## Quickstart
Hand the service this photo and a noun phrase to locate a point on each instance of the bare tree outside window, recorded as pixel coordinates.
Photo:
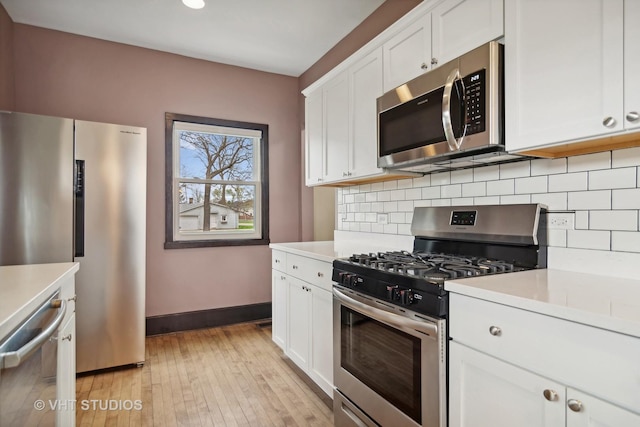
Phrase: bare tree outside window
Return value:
(218, 183)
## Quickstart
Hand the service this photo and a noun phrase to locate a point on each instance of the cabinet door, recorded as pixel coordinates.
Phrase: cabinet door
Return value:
(484, 391)
(66, 374)
(631, 64)
(462, 25)
(336, 127)
(366, 87)
(321, 360)
(563, 71)
(298, 322)
(587, 411)
(279, 308)
(314, 142)
(407, 54)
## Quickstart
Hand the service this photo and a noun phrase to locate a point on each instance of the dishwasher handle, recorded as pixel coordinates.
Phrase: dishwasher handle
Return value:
(12, 359)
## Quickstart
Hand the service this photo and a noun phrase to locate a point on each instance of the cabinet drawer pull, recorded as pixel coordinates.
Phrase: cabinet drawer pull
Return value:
(283, 278)
(277, 261)
(550, 395)
(424, 66)
(495, 331)
(574, 405)
(320, 274)
(295, 267)
(633, 116)
(609, 122)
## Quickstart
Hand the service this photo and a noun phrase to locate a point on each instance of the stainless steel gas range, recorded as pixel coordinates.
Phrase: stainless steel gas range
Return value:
(391, 309)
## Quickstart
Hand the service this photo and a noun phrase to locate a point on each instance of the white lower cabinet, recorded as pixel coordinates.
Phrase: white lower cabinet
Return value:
(66, 374)
(512, 367)
(302, 314)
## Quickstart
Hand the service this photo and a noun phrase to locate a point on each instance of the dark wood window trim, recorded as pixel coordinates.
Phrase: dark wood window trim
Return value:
(170, 243)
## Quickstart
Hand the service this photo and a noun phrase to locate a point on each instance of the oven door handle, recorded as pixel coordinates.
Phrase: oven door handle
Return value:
(425, 327)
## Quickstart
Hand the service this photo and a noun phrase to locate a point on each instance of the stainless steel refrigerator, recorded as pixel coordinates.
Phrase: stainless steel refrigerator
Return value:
(76, 190)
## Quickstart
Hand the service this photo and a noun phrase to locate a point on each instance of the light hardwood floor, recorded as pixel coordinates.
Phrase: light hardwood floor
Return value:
(225, 376)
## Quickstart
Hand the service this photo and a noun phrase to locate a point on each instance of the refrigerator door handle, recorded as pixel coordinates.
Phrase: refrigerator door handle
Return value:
(78, 189)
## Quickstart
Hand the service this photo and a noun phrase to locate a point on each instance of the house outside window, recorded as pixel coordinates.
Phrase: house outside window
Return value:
(217, 188)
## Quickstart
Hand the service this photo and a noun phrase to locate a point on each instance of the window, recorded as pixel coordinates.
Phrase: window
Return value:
(216, 184)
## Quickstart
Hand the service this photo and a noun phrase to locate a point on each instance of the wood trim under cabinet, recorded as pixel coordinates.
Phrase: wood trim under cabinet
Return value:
(176, 322)
(607, 143)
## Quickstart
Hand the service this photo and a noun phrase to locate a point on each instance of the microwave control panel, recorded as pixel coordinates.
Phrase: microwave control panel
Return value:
(474, 94)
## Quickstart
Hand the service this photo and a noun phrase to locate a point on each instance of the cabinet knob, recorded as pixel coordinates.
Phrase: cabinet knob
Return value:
(68, 337)
(344, 173)
(424, 66)
(550, 395)
(495, 331)
(434, 61)
(574, 405)
(609, 122)
(319, 179)
(320, 274)
(633, 116)
(277, 261)
(283, 278)
(295, 267)
(73, 298)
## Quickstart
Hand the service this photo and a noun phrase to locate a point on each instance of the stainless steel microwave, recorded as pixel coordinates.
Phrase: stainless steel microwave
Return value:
(452, 113)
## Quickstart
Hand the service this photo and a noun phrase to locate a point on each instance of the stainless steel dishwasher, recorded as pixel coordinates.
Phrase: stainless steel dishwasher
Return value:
(28, 362)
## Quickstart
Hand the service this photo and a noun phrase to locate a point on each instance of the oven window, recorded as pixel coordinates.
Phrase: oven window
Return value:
(383, 358)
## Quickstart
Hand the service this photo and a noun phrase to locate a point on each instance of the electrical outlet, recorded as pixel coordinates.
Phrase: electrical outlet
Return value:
(383, 218)
(561, 221)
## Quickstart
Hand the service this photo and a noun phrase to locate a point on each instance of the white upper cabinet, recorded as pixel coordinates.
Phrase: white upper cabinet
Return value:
(336, 127)
(314, 147)
(366, 86)
(459, 26)
(565, 70)
(632, 64)
(408, 53)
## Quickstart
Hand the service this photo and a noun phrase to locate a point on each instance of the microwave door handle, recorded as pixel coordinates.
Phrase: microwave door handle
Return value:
(453, 142)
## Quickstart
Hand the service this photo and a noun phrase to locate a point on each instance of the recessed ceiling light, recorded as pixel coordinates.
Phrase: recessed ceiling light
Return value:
(194, 4)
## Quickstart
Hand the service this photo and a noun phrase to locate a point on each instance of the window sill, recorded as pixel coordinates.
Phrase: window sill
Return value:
(186, 244)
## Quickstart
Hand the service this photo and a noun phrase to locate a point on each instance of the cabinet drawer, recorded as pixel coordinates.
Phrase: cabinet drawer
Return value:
(278, 260)
(310, 270)
(601, 362)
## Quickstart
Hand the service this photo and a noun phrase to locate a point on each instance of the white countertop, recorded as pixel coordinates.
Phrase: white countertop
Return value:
(601, 301)
(330, 250)
(23, 288)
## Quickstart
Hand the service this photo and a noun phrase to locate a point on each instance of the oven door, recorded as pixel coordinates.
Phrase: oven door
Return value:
(389, 364)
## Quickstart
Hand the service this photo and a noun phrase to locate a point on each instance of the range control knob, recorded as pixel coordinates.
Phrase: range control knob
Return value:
(354, 280)
(406, 296)
(344, 278)
(393, 292)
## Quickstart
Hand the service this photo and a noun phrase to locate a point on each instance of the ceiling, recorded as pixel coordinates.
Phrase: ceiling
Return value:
(279, 36)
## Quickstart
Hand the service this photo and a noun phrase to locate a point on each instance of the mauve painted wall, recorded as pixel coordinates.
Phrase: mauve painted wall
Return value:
(66, 75)
(6, 61)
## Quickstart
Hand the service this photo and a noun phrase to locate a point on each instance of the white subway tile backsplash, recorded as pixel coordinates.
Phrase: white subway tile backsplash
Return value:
(390, 206)
(405, 206)
(537, 184)
(589, 239)
(515, 200)
(489, 200)
(581, 220)
(589, 162)
(603, 190)
(390, 185)
(625, 241)
(612, 178)
(497, 188)
(398, 195)
(625, 158)
(462, 201)
(474, 189)
(413, 193)
(588, 200)
(486, 173)
(614, 220)
(464, 175)
(568, 182)
(449, 191)
(626, 199)
(515, 170)
(441, 178)
(548, 166)
(431, 193)
(554, 201)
